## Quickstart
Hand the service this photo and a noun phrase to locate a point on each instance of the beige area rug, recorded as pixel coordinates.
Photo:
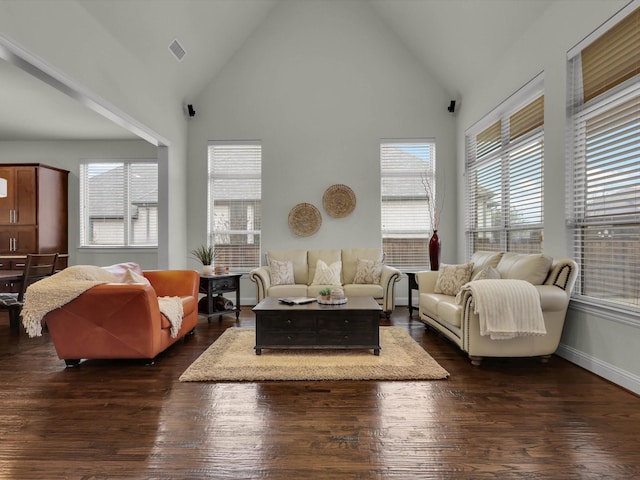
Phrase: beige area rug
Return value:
(232, 358)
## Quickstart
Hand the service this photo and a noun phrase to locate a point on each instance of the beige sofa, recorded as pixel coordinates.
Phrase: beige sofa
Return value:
(304, 264)
(553, 279)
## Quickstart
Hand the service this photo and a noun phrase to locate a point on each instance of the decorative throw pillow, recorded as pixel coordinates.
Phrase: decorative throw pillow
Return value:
(488, 273)
(131, 276)
(368, 271)
(451, 278)
(327, 274)
(119, 269)
(281, 272)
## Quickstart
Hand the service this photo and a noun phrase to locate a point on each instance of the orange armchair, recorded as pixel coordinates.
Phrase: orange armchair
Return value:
(119, 320)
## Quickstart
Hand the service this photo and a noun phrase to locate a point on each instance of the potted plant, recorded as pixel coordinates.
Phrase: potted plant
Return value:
(325, 294)
(205, 254)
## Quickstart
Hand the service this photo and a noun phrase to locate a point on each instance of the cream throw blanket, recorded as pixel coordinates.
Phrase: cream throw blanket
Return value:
(57, 290)
(506, 308)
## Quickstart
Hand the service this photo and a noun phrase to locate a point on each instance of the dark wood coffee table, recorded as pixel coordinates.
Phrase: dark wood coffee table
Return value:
(353, 325)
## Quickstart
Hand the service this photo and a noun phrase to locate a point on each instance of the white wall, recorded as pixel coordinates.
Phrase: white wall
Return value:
(88, 56)
(68, 155)
(320, 83)
(593, 340)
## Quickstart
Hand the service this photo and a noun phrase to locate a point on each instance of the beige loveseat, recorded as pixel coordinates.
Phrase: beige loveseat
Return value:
(357, 270)
(457, 320)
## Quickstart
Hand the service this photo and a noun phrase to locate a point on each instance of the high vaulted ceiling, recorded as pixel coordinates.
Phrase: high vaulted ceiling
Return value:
(455, 40)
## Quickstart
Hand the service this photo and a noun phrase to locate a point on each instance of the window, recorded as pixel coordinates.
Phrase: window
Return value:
(603, 169)
(235, 203)
(119, 204)
(505, 176)
(408, 201)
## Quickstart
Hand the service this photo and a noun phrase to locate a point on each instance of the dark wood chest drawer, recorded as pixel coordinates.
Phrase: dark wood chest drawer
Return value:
(284, 322)
(286, 339)
(346, 337)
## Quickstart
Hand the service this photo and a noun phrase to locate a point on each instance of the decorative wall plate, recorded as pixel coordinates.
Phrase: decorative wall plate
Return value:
(339, 200)
(304, 219)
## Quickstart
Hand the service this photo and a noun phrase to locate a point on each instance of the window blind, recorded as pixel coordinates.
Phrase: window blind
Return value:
(526, 119)
(613, 58)
(505, 179)
(119, 204)
(409, 201)
(603, 164)
(235, 197)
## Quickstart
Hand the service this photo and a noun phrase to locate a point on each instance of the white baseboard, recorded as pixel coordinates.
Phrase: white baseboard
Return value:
(603, 369)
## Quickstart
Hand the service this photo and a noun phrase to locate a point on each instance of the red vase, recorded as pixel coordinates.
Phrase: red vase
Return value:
(434, 251)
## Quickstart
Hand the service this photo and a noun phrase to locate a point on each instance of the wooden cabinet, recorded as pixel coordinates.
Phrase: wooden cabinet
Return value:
(17, 240)
(33, 215)
(19, 206)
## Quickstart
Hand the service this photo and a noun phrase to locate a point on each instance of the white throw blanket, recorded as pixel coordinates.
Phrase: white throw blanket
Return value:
(506, 308)
(57, 290)
(172, 308)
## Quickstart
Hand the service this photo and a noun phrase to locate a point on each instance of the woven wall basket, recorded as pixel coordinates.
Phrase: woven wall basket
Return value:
(304, 219)
(339, 200)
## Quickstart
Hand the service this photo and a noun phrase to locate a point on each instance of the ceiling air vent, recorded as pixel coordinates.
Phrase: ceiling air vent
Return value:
(177, 50)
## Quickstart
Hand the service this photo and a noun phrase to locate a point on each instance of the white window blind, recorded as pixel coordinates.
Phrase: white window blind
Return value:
(603, 181)
(408, 201)
(119, 204)
(505, 178)
(235, 192)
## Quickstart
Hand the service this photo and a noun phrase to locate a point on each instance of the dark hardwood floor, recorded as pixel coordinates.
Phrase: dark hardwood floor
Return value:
(122, 419)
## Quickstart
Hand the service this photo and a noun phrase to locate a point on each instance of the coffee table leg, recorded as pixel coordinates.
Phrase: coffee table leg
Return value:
(258, 351)
(376, 351)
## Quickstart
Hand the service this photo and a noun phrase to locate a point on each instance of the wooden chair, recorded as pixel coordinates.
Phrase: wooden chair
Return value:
(36, 267)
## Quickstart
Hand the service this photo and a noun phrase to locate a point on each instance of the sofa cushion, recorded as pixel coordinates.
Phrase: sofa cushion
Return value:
(450, 312)
(350, 258)
(367, 271)
(487, 273)
(429, 302)
(327, 256)
(482, 259)
(442, 307)
(281, 272)
(299, 260)
(287, 291)
(363, 290)
(533, 268)
(451, 278)
(327, 274)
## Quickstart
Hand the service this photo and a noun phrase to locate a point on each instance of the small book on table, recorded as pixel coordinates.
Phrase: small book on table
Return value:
(296, 300)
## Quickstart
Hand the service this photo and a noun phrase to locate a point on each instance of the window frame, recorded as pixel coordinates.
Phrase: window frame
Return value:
(504, 233)
(85, 227)
(252, 209)
(420, 184)
(585, 173)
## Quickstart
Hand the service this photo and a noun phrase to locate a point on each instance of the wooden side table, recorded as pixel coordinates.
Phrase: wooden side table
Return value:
(212, 285)
(411, 286)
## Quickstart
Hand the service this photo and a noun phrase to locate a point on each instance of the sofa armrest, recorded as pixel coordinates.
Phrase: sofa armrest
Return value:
(553, 299)
(563, 274)
(388, 276)
(174, 283)
(261, 277)
(426, 281)
(388, 279)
